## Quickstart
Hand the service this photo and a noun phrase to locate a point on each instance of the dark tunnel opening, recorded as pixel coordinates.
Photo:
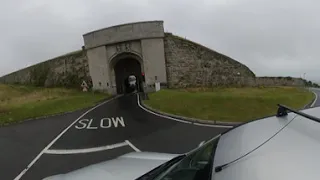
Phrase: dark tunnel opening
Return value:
(123, 69)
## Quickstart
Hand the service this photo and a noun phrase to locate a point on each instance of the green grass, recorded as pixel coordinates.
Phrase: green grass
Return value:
(18, 103)
(228, 104)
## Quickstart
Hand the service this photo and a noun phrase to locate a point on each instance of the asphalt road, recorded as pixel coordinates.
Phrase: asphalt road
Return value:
(39, 148)
(36, 149)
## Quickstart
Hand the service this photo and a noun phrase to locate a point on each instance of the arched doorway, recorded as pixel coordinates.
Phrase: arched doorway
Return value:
(123, 68)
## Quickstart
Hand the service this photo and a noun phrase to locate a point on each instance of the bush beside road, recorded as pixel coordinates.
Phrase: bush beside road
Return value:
(228, 104)
(18, 103)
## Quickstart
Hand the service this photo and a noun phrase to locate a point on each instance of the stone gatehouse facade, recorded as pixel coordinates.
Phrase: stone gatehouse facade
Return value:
(116, 52)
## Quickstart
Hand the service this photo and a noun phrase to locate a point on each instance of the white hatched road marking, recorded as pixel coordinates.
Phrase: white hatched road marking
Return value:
(132, 146)
(55, 139)
(87, 150)
(47, 151)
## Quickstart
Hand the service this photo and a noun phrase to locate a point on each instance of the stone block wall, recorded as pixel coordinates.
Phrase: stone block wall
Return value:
(68, 71)
(278, 81)
(192, 65)
(188, 64)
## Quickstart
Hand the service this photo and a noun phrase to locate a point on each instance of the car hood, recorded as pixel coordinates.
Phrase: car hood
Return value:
(290, 155)
(127, 167)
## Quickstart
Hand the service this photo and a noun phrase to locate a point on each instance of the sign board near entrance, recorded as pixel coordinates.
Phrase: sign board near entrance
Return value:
(84, 86)
(157, 85)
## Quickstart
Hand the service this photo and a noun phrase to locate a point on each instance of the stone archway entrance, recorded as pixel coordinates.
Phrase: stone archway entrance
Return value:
(144, 41)
(123, 68)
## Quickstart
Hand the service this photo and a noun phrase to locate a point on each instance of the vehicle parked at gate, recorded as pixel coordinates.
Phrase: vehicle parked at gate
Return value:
(282, 147)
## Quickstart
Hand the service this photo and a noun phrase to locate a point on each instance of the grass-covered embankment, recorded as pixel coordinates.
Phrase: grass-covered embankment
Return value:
(228, 104)
(18, 103)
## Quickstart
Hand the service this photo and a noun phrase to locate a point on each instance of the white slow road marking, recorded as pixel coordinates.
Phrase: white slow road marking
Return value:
(105, 123)
(315, 100)
(55, 139)
(87, 150)
(179, 120)
(132, 146)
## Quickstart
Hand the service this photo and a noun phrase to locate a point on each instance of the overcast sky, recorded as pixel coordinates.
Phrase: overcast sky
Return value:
(272, 37)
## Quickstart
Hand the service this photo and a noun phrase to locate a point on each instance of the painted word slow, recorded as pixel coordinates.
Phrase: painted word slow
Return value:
(104, 123)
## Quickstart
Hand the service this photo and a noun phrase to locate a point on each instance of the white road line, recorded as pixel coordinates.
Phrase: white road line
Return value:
(179, 120)
(315, 100)
(213, 125)
(160, 115)
(31, 164)
(87, 150)
(132, 146)
(55, 139)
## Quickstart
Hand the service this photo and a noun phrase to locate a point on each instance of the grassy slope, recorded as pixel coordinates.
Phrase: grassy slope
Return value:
(231, 104)
(20, 102)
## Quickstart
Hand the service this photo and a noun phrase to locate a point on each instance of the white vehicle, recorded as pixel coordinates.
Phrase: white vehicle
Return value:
(132, 80)
(284, 147)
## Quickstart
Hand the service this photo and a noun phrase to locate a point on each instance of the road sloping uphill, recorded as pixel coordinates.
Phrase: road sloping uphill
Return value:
(107, 131)
(60, 144)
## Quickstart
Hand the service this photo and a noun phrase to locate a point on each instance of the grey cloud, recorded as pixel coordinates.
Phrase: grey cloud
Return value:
(272, 37)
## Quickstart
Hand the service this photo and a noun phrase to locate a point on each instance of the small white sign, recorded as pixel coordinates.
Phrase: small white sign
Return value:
(105, 123)
(84, 86)
(157, 85)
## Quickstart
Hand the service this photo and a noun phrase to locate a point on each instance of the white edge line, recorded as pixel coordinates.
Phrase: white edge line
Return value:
(87, 150)
(160, 115)
(315, 100)
(132, 146)
(213, 125)
(179, 120)
(55, 139)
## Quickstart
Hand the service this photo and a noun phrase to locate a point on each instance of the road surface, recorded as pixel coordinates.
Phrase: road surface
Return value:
(40, 148)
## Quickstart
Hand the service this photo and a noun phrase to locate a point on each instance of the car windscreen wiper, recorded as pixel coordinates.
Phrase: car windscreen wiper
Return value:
(282, 111)
(221, 167)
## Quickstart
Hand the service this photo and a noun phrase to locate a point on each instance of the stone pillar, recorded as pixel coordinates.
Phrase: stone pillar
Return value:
(154, 62)
(99, 69)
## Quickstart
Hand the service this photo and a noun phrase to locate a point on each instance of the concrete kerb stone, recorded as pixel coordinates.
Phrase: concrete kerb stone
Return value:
(192, 120)
(310, 103)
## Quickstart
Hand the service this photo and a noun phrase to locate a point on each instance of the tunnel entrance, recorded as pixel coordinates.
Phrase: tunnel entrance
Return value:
(123, 69)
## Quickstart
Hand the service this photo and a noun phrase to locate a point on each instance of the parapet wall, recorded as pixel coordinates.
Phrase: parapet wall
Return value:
(278, 81)
(68, 70)
(124, 32)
